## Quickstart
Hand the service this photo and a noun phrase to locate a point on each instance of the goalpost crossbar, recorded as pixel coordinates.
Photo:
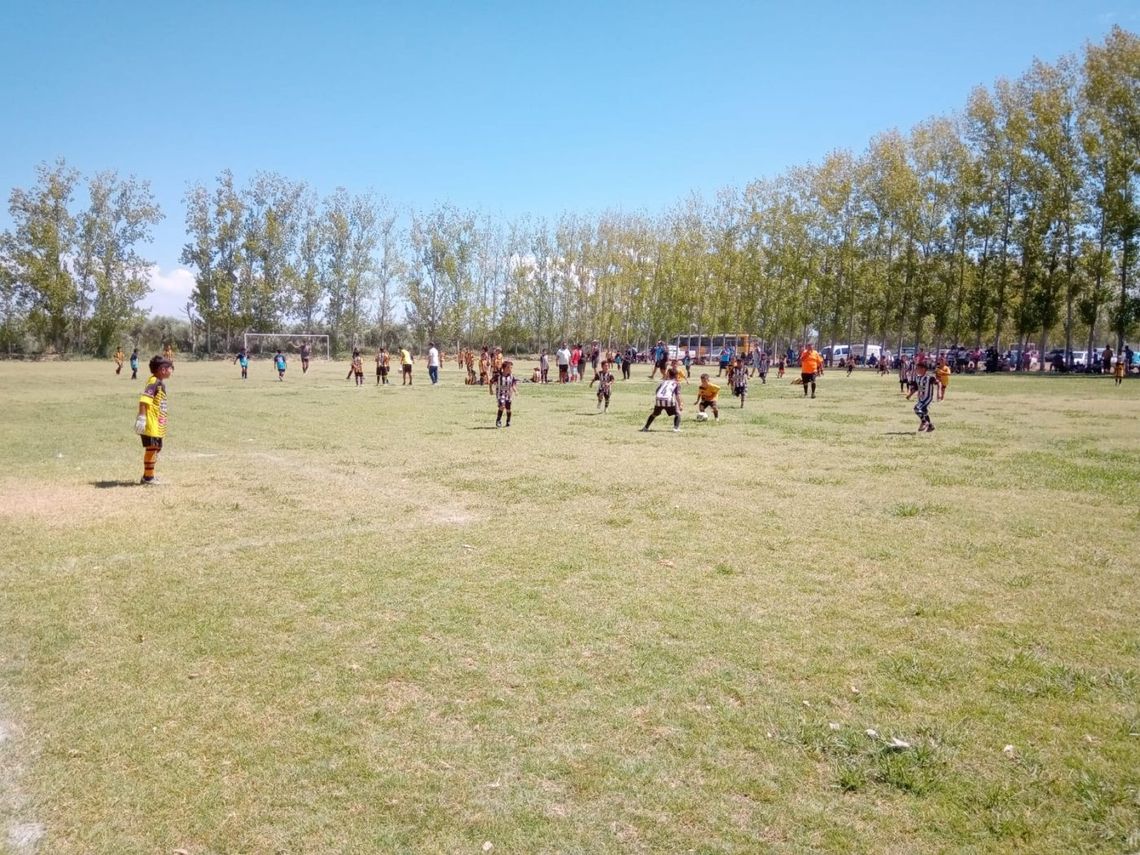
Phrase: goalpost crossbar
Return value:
(290, 338)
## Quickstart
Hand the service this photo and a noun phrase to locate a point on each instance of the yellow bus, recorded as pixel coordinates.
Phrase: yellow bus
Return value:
(706, 347)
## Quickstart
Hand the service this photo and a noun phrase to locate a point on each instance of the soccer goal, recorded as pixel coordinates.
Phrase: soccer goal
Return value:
(257, 343)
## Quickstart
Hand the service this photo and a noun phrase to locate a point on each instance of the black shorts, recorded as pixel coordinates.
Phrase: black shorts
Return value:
(602, 394)
(151, 441)
(663, 364)
(807, 376)
(704, 405)
(671, 409)
(407, 369)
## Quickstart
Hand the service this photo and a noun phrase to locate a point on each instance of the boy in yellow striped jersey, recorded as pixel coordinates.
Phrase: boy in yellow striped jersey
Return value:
(150, 423)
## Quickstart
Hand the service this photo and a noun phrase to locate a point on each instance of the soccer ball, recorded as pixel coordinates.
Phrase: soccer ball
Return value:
(702, 417)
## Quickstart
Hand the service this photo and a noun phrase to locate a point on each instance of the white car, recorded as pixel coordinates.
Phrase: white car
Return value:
(1080, 359)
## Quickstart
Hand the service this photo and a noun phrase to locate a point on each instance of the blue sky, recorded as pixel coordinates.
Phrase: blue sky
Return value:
(501, 107)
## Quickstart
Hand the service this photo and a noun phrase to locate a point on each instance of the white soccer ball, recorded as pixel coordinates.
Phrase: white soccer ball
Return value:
(702, 417)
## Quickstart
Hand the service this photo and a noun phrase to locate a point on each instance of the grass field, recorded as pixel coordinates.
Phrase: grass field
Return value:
(362, 620)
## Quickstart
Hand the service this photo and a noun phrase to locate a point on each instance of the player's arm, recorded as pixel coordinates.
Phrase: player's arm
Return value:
(140, 417)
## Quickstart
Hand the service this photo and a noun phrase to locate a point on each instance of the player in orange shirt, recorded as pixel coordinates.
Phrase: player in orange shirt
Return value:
(810, 364)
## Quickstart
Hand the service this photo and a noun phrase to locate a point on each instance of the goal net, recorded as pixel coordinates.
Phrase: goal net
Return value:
(262, 343)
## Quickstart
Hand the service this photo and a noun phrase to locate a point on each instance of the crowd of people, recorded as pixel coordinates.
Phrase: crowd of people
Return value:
(923, 376)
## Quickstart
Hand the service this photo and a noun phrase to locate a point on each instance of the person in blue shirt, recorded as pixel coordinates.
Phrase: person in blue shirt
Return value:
(242, 359)
(279, 363)
(660, 359)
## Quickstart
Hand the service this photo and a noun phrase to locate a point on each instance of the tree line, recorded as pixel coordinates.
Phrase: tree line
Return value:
(1013, 220)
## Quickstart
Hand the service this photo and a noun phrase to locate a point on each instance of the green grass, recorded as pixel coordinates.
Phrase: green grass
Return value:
(361, 620)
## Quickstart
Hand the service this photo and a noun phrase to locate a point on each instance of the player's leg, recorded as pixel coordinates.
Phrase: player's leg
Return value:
(151, 447)
(657, 409)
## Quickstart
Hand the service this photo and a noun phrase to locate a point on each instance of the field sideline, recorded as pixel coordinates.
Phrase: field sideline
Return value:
(364, 620)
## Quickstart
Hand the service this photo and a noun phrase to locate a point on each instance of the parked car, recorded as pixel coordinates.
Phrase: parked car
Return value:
(1076, 360)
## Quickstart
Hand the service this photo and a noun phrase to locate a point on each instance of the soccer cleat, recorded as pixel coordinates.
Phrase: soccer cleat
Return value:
(644, 430)
(929, 428)
(676, 430)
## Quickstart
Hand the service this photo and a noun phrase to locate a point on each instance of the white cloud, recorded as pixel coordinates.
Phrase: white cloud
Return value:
(169, 291)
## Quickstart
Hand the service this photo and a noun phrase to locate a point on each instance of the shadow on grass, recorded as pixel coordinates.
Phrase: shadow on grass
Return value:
(899, 433)
(106, 485)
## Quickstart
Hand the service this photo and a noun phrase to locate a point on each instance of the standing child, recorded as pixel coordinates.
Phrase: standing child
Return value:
(605, 380)
(667, 399)
(119, 358)
(279, 364)
(406, 366)
(356, 368)
(135, 364)
(544, 366)
(706, 396)
(305, 353)
(150, 423)
(762, 367)
(781, 366)
(504, 385)
(383, 363)
(904, 374)
(484, 366)
(242, 359)
(738, 377)
(924, 386)
(1118, 369)
(942, 373)
(682, 375)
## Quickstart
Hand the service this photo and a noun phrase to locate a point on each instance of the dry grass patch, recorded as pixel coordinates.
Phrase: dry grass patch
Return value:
(365, 620)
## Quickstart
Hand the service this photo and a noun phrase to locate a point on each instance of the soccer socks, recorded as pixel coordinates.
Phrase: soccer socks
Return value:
(150, 458)
(677, 422)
